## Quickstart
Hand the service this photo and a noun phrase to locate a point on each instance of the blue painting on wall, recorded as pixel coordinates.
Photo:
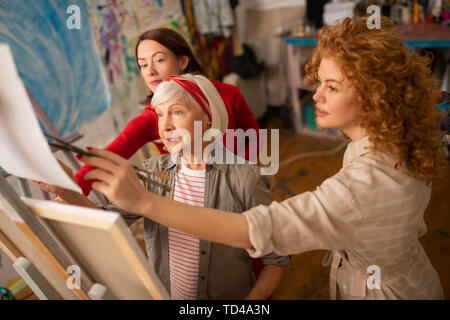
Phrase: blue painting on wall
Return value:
(61, 67)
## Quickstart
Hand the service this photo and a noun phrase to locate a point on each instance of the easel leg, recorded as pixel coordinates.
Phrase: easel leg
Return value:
(100, 292)
(37, 283)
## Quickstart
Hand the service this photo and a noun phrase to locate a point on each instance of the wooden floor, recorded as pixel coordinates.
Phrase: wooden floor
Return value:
(305, 277)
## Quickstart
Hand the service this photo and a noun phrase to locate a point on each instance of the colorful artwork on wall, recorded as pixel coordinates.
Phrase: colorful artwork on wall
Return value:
(60, 66)
(117, 26)
(85, 79)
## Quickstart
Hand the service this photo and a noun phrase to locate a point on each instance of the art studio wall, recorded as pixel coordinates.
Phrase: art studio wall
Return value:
(85, 78)
(116, 26)
(59, 66)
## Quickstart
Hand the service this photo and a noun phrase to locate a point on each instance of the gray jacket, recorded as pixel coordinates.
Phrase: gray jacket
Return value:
(224, 272)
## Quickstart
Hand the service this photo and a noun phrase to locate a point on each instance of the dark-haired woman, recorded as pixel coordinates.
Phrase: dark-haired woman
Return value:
(160, 53)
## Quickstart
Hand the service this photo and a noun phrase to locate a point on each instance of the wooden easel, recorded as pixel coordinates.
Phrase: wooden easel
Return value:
(39, 235)
(25, 268)
(36, 282)
(99, 239)
(41, 115)
(36, 232)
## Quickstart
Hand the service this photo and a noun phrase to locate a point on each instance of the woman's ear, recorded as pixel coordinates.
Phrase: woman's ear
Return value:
(183, 62)
(205, 119)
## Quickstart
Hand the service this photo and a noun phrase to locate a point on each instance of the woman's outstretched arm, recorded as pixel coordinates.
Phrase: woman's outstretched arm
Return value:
(118, 181)
(208, 224)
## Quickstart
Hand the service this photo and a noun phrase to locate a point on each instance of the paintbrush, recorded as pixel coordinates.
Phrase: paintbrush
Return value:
(142, 174)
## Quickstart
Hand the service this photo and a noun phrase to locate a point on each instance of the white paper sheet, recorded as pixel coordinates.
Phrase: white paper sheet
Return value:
(24, 151)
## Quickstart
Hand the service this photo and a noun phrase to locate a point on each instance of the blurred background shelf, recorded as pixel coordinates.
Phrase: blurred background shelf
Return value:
(299, 50)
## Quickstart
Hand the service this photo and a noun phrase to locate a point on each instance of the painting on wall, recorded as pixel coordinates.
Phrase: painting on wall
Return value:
(61, 67)
(116, 26)
(85, 79)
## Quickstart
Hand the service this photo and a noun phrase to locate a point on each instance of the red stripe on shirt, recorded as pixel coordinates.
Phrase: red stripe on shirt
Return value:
(184, 255)
(187, 186)
(188, 194)
(187, 175)
(175, 235)
(178, 187)
(190, 249)
(179, 261)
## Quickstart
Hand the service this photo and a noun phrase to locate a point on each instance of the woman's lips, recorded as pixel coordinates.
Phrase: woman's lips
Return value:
(173, 140)
(155, 82)
(320, 113)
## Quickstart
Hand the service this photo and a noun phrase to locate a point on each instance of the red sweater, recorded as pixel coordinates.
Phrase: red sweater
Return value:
(144, 128)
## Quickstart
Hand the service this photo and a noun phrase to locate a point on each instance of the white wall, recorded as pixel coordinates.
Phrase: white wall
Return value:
(271, 4)
(261, 5)
(259, 23)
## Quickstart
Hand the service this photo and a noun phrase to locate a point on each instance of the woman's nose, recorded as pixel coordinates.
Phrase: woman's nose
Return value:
(318, 96)
(167, 123)
(151, 71)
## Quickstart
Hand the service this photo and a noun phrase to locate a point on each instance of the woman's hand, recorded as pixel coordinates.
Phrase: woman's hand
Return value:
(116, 179)
(62, 193)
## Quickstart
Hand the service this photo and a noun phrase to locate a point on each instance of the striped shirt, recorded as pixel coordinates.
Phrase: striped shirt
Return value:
(183, 248)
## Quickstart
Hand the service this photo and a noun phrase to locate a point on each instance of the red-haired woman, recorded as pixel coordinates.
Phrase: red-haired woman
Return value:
(370, 214)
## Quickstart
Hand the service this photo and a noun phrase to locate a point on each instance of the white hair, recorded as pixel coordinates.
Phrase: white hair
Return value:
(170, 90)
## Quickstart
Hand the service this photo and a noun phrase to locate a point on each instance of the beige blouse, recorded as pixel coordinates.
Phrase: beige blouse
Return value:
(370, 216)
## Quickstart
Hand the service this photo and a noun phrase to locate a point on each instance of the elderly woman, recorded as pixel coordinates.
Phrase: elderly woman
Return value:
(191, 268)
(162, 52)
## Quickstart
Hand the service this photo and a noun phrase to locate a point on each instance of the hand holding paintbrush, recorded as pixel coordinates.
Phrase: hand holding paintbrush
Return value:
(114, 178)
(142, 174)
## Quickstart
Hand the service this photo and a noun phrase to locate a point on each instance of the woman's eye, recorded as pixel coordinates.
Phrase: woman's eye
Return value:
(159, 115)
(178, 112)
(159, 60)
(332, 89)
(318, 83)
(142, 66)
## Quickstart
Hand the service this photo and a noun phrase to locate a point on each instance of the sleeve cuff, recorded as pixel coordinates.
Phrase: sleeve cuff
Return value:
(260, 231)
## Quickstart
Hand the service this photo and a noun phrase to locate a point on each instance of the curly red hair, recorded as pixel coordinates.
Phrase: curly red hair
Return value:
(394, 85)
